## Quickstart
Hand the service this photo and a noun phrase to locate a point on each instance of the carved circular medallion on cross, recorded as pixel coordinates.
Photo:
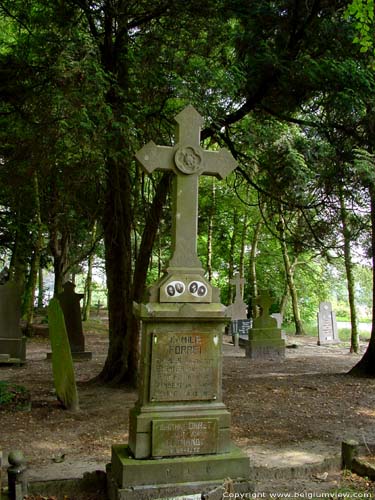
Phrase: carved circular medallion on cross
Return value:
(188, 160)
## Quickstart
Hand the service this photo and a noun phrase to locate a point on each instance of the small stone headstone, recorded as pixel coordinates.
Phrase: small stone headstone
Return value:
(70, 305)
(265, 340)
(62, 362)
(238, 311)
(12, 342)
(279, 318)
(327, 325)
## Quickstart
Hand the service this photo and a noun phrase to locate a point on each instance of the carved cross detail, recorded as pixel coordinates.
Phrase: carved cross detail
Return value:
(188, 160)
(238, 282)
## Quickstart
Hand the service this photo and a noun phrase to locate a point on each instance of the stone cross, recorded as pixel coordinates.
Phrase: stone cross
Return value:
(187, 160)
(264, 301)
(238, 282)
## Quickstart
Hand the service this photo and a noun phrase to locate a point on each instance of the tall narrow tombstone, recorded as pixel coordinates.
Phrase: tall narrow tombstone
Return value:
(12, 342)
(179, 432)
(62, 362)
(240, 324)
(327, 325)
(265, 338)
(70, 305)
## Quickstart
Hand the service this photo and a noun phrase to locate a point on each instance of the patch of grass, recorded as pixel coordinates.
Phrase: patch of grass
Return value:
(96, 325)
(13, 396)
(345, 333)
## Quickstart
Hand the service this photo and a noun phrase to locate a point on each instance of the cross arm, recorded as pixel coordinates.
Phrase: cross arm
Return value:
(152, 157)
(219, 163)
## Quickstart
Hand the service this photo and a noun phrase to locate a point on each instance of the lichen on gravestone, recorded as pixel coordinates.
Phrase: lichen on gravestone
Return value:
(62, 362)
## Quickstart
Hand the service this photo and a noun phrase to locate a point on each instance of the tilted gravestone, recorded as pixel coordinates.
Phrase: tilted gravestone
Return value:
(327, 325)
(265, 339)
(70, 305)
(62, 362)
(179, 432)
(238, 311)
(12, 342)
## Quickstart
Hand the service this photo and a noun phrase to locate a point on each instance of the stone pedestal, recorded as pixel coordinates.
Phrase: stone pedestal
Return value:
(179, 428)
(265, 344)
(265, 338)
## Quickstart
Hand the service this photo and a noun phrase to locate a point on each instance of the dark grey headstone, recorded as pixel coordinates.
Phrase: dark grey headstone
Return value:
(70, 305)
(12, 343)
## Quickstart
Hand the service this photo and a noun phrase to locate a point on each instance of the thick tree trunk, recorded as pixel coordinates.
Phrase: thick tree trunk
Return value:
(290, 280)
(366, 366)
(354, 345)
(284, 299)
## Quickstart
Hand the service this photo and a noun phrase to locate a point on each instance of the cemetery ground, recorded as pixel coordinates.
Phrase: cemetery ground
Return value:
(290, 417)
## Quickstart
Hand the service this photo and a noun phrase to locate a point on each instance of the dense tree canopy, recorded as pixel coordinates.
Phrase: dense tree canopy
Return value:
(85, 84)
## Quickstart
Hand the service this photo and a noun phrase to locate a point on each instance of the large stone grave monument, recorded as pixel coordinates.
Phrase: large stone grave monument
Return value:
(240, 324)
(179, 432)
(265, 338)
(327, 325)
(70, 305)
(12, 342)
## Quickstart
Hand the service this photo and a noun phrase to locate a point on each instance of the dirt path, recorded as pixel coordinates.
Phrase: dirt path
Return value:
(287, 416)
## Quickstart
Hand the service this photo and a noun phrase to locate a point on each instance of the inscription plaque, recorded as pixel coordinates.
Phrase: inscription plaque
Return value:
(184, 437)
(184, 366)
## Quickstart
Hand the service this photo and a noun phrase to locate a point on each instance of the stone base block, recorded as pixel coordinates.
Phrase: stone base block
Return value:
(76, 356)
(131, 479)
(265, 344)
(13, 350)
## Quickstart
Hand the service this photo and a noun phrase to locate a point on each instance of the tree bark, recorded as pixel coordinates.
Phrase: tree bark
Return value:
(40, 288)
(253, 285)
(354, 339)
(210, 229)
(290, 280)
(232, 246)
(88, 283)
(366, 366)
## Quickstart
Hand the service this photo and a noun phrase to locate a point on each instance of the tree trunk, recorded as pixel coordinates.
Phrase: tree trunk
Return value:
(59, 244)
(210, 230)
(242, 250)
(366, 366)
(88, 283)
(354, 345)
(29, 295)
(40, 288)
(232, 246)
(284, 299)
(253, 286)
(290, 280)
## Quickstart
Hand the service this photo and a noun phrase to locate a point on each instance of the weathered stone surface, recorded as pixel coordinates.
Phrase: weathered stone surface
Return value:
(12, 342)
(175, 354)
(237, 310)
(62, 363)
(265, 339)
(327, 325)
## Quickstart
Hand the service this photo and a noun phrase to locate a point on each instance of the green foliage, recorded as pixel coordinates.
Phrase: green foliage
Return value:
(13, 395)
(362, 11)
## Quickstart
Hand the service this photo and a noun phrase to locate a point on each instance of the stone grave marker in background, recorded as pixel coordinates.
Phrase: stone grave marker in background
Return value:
(70, 305)
(327, 325)
(62, 362)
(240, 324)
(279, 319)
(265, 341)
(12, 342)
(179, 430)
